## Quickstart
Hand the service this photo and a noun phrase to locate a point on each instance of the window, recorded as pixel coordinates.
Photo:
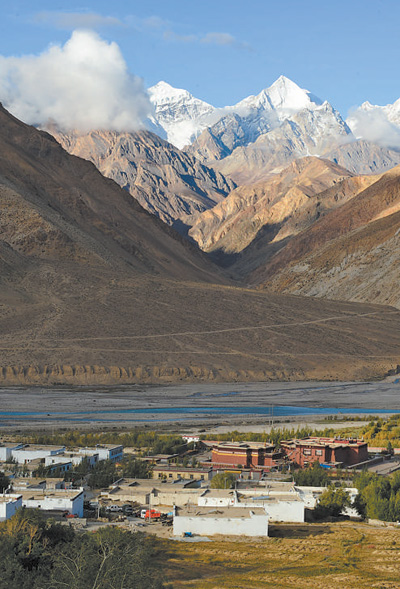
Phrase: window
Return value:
(307, 452)
(318, 452)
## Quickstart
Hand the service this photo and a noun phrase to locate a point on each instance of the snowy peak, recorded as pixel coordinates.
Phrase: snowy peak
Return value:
(282, 95)
(163, 93)
(286, 94)
(182, 116)
(379, 124)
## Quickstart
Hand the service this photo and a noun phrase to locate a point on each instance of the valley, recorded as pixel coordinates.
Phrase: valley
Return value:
(98, 291)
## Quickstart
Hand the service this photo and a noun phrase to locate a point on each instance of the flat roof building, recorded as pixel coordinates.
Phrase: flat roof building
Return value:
(245, 454)
(331, 451)
(180, 472)
(225, 521)
(55, 500)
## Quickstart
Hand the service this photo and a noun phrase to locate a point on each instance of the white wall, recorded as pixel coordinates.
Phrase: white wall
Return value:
(6, 453)
(255, 525)
(215, 501)
(179, 498)
(57, 502)
(280, 511)
(25, 455)
(10, 506)
(74, 459)
(116, 453)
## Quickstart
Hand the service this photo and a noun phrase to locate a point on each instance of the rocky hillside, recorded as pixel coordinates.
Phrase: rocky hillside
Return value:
(364, 157)
(352, 253)
(280, 207)
(170, 184)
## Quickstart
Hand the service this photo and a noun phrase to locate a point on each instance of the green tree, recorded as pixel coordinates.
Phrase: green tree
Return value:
(314, 476)
(223, 480)
(332, 502)
(103, 474)
(138, 469)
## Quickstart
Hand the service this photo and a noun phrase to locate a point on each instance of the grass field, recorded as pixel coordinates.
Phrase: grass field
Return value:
(309, 556)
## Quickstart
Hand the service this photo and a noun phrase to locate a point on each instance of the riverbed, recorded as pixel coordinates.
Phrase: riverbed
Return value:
(244, 405)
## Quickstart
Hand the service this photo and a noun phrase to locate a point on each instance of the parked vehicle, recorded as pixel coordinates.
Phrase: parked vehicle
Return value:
(127, 509)
(113, 508)
(150, 514)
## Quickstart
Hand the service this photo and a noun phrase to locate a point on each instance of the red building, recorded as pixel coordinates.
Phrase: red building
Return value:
(245, 454)
(335, 451)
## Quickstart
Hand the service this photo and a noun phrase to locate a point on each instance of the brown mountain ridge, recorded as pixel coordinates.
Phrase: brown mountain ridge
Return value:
(352, 252)
(93, 289)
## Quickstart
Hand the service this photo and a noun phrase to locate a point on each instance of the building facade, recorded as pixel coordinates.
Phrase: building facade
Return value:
(245, 455)
(329, 451)
(8, 505)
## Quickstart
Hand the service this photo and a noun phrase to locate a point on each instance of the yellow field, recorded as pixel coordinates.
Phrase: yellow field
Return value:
(309, 556)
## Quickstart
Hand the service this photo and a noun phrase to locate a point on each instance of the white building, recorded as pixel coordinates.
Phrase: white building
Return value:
(29, 452)
(105, 452)
(287, 507)
(74, 458)
(57, 500)
(7, 449)
(9, 505)
(225, 521)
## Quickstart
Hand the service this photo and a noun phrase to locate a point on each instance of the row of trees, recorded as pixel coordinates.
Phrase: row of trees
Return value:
(379, 497)
(101, 474)
(275, 436)
(35, 554)
(381, 432)
(136, 438)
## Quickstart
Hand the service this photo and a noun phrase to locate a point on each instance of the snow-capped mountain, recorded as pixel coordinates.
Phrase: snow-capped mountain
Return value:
(265, 132)
(391, 111)
(284, 96)
(182, 116)
(380, 124)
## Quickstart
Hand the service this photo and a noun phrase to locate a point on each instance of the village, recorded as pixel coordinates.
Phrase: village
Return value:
(205, 488)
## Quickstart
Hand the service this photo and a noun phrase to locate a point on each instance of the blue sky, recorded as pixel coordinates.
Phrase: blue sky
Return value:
(222, 51)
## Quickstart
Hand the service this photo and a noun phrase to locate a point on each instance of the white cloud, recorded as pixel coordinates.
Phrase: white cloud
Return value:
(83, 85)
(171, 36)
(219, 39)
(155, 22)
(373, 125)
(77, 20)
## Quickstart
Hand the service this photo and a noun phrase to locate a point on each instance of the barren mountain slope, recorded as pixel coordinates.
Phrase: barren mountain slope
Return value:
(364, 157)
(167, 182)
(353, 253)
(282, 206)
(96, 290)
(57, 206)
(308, 132)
